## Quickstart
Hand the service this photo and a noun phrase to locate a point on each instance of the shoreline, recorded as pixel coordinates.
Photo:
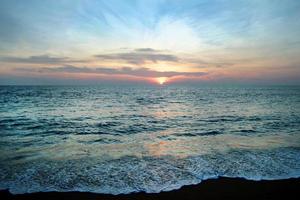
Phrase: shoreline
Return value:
(234, 188)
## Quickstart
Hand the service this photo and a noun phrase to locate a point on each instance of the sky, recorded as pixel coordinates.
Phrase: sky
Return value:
(94, 41)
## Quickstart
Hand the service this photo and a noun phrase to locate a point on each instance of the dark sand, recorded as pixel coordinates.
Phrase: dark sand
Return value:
(222, 188)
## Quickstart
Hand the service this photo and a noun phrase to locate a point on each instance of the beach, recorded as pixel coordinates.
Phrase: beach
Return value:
(158, 99)
(222, 188)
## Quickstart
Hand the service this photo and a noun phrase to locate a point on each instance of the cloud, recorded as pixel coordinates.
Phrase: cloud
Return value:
(146, 50)
(141, 72)
(39, 59)
(140, 56)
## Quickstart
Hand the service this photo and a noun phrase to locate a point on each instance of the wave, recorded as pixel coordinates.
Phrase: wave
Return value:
(204, 133)
(232, 118)
(149, 174)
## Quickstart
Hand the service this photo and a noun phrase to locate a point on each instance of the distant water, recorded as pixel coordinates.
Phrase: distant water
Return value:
(121, 139)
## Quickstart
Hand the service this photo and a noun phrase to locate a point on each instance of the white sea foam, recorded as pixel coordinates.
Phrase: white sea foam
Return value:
(149, 174)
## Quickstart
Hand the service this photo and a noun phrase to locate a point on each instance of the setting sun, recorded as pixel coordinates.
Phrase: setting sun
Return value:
(161, 80)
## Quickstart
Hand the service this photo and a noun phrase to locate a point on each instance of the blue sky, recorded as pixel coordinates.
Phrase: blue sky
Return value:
(224, 39)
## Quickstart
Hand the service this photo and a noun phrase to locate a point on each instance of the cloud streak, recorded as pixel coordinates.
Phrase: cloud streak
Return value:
(39, 59)
(141, 72)
(146, 50)
(140, 56)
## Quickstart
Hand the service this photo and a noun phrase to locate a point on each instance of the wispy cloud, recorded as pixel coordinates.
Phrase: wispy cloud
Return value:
(141, 72)
(39, 59)
(146, 50)
(140, 56)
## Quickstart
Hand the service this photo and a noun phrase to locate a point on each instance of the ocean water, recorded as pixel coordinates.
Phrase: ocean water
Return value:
(122, 139)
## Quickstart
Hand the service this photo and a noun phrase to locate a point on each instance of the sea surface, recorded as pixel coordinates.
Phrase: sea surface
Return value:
(122, 139)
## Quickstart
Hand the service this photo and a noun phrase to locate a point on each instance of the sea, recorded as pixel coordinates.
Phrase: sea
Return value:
(118, 139)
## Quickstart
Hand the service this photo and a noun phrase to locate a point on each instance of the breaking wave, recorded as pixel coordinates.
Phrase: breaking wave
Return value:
(149, 174)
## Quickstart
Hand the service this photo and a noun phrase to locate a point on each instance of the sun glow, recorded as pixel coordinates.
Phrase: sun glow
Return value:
(161, 80)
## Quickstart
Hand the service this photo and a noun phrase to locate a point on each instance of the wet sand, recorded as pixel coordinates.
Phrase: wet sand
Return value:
(233, 188)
